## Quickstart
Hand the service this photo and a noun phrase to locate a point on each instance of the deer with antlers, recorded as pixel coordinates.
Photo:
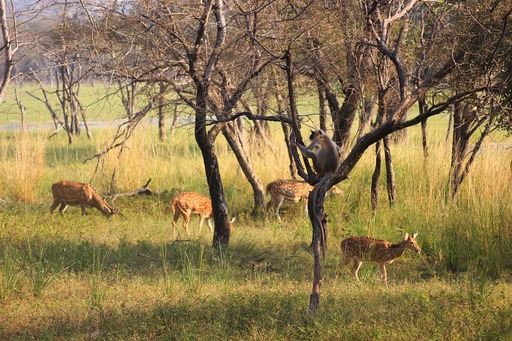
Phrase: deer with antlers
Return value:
(68, 193)
(361, 249)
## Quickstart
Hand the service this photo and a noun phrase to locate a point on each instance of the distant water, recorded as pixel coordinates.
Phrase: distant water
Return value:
(91, 124)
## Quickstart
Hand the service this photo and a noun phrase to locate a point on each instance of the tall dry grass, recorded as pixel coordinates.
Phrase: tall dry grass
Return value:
(127, 278)
(22, 165)
(170, 164)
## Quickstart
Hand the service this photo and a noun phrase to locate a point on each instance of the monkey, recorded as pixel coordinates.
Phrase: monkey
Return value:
(323, 151)
(326, 156)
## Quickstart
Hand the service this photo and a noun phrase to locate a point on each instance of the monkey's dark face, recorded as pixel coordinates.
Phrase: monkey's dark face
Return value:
(315, 134)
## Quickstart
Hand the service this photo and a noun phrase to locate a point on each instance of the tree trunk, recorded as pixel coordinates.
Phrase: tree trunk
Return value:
(466, 122)
(365, 116)
(375, 178)
(459, 148)
(316, 210)
(390, 173)
(344, 118)
(161, 112)
(322, 104)
(206, 143)
(7, 46)
(229, 131)
(424, 139)
(281, 107)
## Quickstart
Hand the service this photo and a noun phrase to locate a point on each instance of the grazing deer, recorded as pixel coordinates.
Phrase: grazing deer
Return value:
(187, 203)
(79, 194)
(361, 249)
(290, 192)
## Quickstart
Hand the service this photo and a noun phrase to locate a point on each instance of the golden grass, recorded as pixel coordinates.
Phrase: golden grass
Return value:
(127, 278)
(22, 165)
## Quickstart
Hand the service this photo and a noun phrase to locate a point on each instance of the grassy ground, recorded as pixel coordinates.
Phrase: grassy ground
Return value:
(79, 278)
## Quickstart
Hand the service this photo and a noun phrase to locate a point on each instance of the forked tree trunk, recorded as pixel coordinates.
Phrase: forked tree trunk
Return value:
(230, 133)
(319, 243)
(206, 143)
(465, 123)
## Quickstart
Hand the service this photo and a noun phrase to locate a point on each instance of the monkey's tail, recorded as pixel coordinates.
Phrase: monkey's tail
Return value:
(320, 220)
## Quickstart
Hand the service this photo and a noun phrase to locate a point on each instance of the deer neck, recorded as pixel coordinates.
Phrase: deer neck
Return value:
(104, 208)
(392, 252)
(399, 248)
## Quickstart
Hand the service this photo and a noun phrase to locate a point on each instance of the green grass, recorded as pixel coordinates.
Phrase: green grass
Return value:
(74, 277)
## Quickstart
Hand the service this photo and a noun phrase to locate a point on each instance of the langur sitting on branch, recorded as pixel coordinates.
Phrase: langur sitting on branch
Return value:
(326, 154)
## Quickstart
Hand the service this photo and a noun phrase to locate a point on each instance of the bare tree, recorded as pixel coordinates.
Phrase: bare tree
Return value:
(9, 46)
(450, 65)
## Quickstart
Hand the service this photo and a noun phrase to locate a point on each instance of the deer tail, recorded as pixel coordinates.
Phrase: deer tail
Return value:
(173, 208)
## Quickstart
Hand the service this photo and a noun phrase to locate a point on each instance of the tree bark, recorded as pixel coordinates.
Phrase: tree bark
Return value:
(375, 178)
(7, 45)
(161, 112)
(424, 138)
(390, 173)
(344, 118)
(230, 133)
(281, 108)
(206, 143)
(365, 116)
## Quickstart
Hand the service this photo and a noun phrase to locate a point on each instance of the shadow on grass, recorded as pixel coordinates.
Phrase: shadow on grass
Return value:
(364, 314)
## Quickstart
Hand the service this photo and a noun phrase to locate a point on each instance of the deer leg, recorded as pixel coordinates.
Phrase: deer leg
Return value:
(209, 222)
(84, 209)
(63, 207)
(305, 208)
(54, 206)
(201, 220)
(356, 267)
(186, 219)
(383, 273)
(342, 264)
(279, 203)
(174, 220)
(269, 204)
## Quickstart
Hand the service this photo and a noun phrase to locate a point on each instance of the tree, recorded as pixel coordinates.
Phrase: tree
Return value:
(9, 46)
(447, 67)
(64, 51)
(194, 57)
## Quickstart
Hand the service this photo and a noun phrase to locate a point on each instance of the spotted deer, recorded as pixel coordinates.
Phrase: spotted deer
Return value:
(68, 193)
(290, 192)
(188, 203)
(361, 249)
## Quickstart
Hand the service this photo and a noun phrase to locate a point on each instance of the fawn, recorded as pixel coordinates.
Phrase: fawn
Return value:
(361, 249)
(79, 194)
(290, 192)
(187, 203)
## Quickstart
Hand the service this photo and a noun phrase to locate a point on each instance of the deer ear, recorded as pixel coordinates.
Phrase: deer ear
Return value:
(233, 220)
(414, 235)
(406, 236)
